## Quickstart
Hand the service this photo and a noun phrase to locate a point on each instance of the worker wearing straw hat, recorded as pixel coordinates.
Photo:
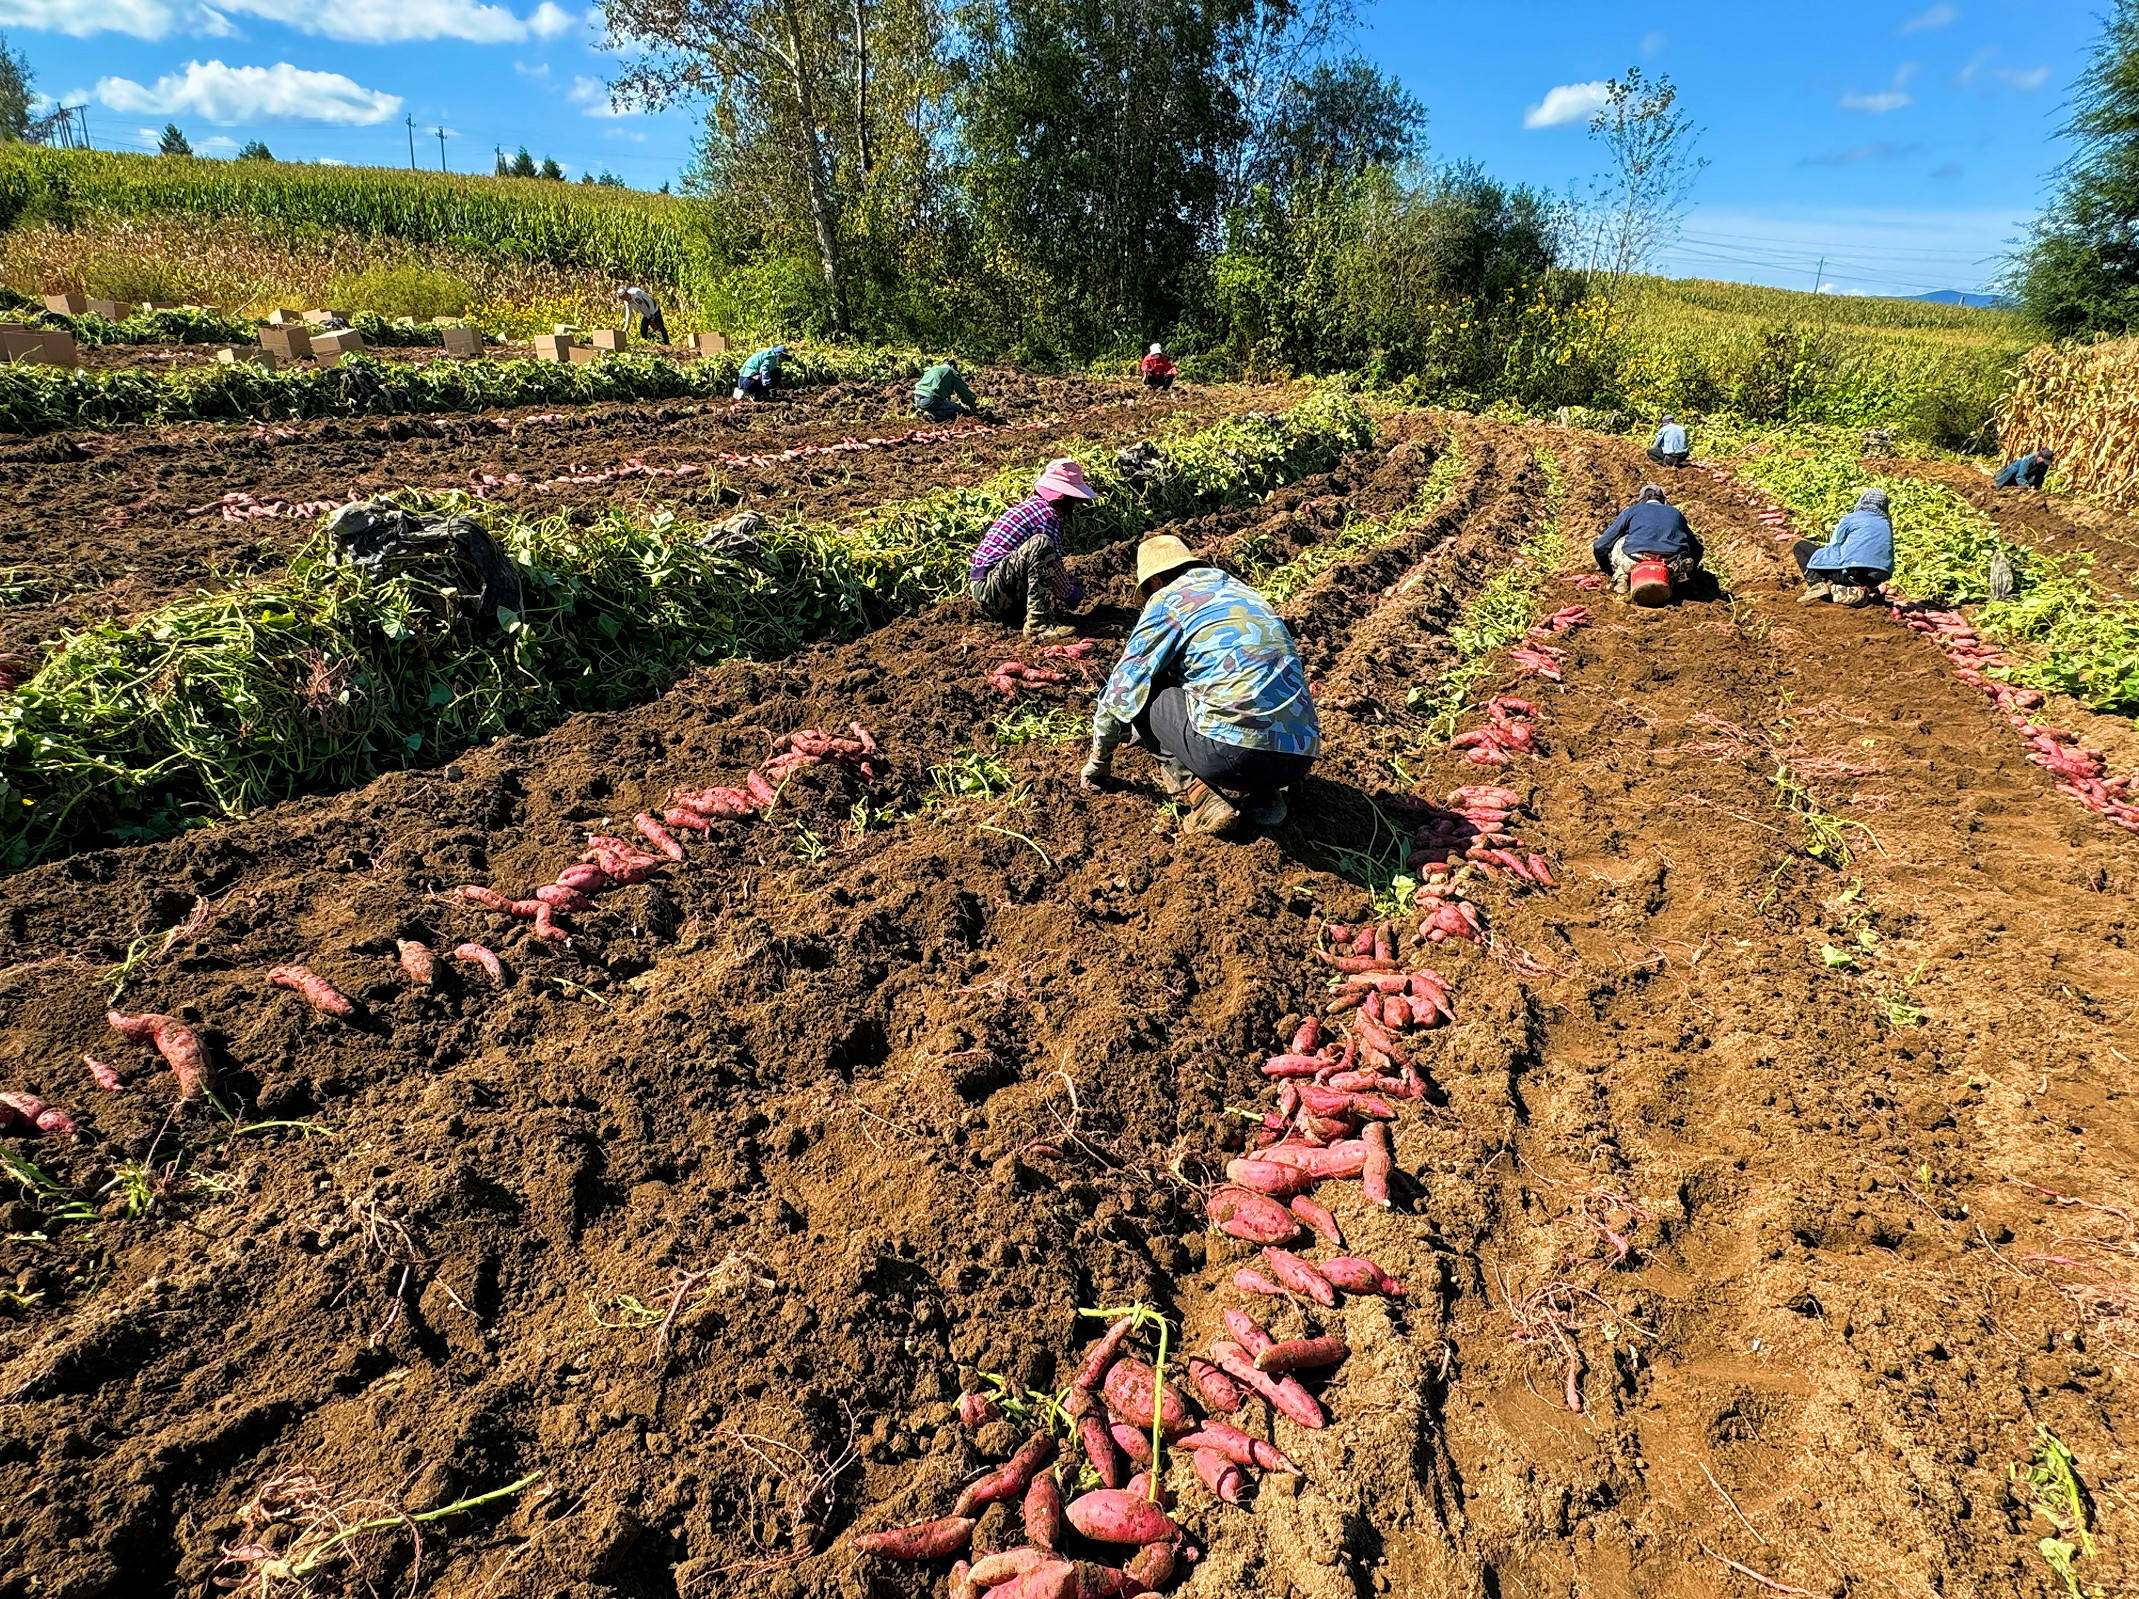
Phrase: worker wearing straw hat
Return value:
(1211, 685)
(1017, 571)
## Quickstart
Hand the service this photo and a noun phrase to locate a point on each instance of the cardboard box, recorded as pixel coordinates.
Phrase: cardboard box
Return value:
(291, 343)
(586, 352)
(607, 338)
(163, 305)
(710, 343)
(553, 346)
(67, 304)
(342, 341)
(241, 354)
(109, 310)
(321, 318)
(282, 318)
(463, 342)
(38, 347)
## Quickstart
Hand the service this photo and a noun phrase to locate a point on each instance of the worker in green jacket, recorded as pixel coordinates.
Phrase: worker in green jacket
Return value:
(941, 395)
(760, 373)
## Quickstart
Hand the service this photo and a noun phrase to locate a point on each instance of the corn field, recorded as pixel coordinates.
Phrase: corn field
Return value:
(2083, 402)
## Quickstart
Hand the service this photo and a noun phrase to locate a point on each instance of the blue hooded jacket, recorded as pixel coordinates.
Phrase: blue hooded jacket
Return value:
(1863, 539)
(1650, 527)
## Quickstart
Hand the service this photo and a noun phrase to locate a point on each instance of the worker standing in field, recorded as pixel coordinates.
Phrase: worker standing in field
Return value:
(1669, 447)
(639, 302)
(760, 373)
(1649, 550)
(2027, 472)
(1158, 368)
(1016, 572)
(1211, 684)
(1857, 557)
(941, 393)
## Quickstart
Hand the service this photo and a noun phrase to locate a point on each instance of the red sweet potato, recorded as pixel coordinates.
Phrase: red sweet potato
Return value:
(977, 1409)
(416, 961)
(1250, 1281)
(655, 834)
(1133, 1442)
(1053, 1579)
(1285, 1395)
(1344, 1159)
(584, 876)
(1302, 1354)
(1357, 1276)
(1254, 1217)
(1220, 1475)
(28, 1114)
(962, 1584)
(491, 900)
(1306, 1037)
(1294, 1066)
(760, 790)
(1102, 1355)
(483, 958)
(1276, 1178)
(175, 1042)
(1318, 1219)
(1151, 1567)
(990, 1570)
(1043, 1512)
(560, 898)
(1010, 1479)
(1100, 1451)
(1380, 1161)
(677, 816)
(546, 926)
(106, 1078)
(1220, 1392)
(1247, 1331)
(320, 994)
(1239, 1448)
(1337, 1102)
(1112, 1515)
(927, 1540)
(1128, 1392)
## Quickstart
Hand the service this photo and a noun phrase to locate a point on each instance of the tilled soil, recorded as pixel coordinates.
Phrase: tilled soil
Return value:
(112, 524)
(708, 1219)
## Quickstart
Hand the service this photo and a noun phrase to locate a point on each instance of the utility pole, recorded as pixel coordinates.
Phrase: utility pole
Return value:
(411, 121)
(1819, 275)
(441, 132)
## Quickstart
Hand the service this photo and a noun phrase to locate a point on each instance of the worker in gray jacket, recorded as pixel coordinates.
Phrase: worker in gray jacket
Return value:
(1669, 448)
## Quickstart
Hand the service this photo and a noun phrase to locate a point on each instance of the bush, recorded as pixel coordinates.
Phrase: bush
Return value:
(420, 293)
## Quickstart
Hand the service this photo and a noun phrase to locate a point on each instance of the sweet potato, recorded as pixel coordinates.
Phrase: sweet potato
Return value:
(759, 789)
(1112, 1515)
(1380, 1162)
(175, 1042)
(584, 876)
(1043, 1512)
(1053, 1579)
(1102, 1355)
(1285, 1395)
(1357, 1276)
(927, 1540)
(483, 958)
(416, 961)
(677, 816)
(1294, 1066)
(1128, 1393)
(1239, 1448)
(655, 834)
(977, 1409)
(1299, 1276)
(1337, 1102)
(1250, 1281)
(106, 1078)
(560, 898)
(1343, 1159)
(962, 1584)
(1220, 1392)
(491, 900)
(1133, 1442)
(1302, 1354)
(1274, 1178)
(320, 994)
(546, 926)
(1010, 1479)
(990, 1570)
(1318, 1220)
(1100, 1451)
(1247, 1331)
(1306, 1036)
(29, 1114)
(1151, 1567)
(1254, 1217)
(1220, 1475)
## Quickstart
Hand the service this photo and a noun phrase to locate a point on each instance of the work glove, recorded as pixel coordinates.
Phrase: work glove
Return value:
(1098, 769)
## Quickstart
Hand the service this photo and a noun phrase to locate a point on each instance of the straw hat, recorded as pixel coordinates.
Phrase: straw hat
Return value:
(1161, 557)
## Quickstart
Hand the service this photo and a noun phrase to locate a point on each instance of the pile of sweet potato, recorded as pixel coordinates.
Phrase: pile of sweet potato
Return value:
(1471, 828)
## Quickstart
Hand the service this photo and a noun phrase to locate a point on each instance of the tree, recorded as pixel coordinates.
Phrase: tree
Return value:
(255, 151)
(1641, 200)
(1335, 124)
(172, 141)
(504, 166)
(551, 170)
(523, 164)
(2079, 271)
(15, 80)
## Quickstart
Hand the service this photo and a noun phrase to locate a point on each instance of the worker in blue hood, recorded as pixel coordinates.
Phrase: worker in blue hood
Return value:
(1857, 557)
(2027, 472)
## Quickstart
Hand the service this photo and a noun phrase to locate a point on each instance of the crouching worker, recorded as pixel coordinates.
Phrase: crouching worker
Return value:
(1211, 685)
(1857, 557)
(941, 394)
(2027, 472)
(1669, 447)
(760, 373)
(1158, 368)
(1649, 550)
(1017, 573)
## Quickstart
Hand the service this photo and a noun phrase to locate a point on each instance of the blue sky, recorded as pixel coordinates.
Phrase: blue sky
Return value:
(1905, 143)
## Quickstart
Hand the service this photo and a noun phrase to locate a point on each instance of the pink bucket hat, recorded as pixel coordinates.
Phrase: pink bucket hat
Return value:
(1064, 480)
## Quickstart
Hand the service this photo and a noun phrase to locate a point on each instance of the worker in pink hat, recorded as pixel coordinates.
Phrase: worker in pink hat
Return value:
(1017, 572)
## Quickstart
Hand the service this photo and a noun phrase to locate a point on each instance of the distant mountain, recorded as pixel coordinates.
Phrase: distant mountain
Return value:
(1976, 302)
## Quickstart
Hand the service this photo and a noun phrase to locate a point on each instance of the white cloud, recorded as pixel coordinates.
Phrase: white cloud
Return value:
(329, 161)
(1939, 16)
(231, 95)
(592, 96)
(352, 21)
(541, 69)
(1570, 102)
(216, 144)
(1892, 98)
(2026, 79)
(1652, 42)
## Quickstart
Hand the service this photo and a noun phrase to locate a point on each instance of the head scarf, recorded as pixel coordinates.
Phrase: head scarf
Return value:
(1873, 500)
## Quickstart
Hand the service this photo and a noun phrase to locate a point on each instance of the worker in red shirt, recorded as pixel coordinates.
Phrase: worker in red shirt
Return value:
(1158, 368)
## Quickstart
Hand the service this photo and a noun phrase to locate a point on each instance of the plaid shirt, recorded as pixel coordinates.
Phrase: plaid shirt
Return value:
(1013, 528)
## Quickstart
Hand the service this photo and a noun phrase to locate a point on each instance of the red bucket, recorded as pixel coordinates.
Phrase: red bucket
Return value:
(1649, 583)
